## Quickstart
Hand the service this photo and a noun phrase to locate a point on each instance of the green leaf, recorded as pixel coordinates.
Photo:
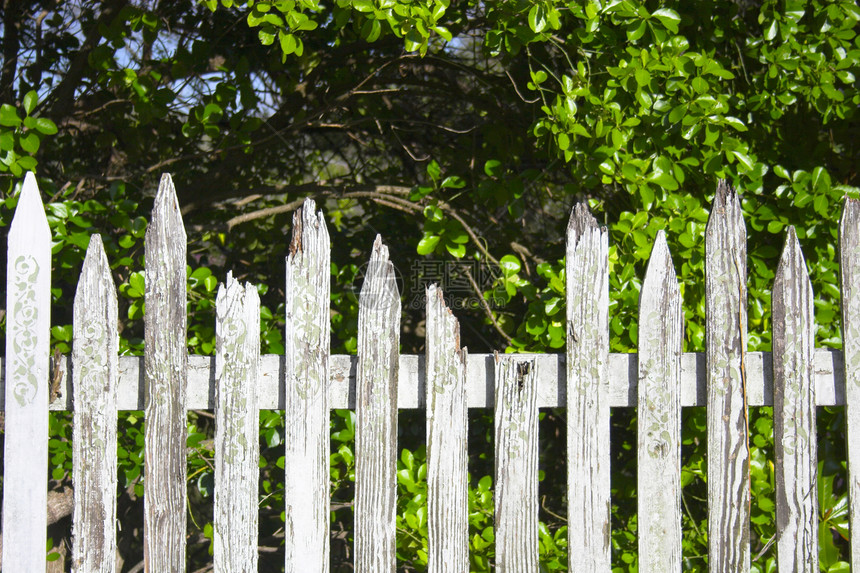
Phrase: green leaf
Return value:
(62, 332)
(255, 18)
(137, 282)
(563, 141)
(510, 265)
(7, 140)
(453, 182)
(267, 37)
(743, 159)
(669, 18)
(820, 180)
(770, 33)
(456, 249)
(433, 170)
(46, 126)
(493, 167)
(27, 163)
(427, 244)
(288, 42)
(363, 5)
(9, 116)
(433, 213)
(636, 31)
(735, 123)
(443, 33)
(31, 98)
(678, 113)
(200, 273)
(371, 30)
(775, 227)
(29, 143)
(664, 180)
(537, 18)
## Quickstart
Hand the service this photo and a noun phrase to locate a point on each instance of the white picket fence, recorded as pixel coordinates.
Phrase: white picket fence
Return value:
(307, 382)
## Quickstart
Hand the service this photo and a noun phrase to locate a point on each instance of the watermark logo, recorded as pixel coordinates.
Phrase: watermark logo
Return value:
(461, 281)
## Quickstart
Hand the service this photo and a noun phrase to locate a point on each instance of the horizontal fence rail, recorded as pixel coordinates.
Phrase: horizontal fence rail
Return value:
(828, 369)
(307, 382)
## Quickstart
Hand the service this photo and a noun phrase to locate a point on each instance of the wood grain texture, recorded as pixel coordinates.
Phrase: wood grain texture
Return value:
(447, 433)
(95, 345)
(661, 336)
(516, 474)
(794, 432)
(725, 344)
(376, 416)
(237, 441)
(165, 371)
(28, 320)
(306, 429)
(849, 256)
(588, 453)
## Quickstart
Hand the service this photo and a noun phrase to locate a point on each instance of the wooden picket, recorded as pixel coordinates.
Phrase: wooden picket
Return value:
(376, 416)
(516, 475)
(237, 442)
(794, 413)
(308, 382)
(447, 431)
(588, 454)
(306, 428)
(728, 427)
(165, 372)
(28, 323)
(661, 342)
(94, 473)
(849, 257)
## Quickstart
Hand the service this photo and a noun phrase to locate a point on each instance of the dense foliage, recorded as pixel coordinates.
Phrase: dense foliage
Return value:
(463, 133)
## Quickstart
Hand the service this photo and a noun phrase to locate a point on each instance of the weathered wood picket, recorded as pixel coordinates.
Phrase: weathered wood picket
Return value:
(308, 382)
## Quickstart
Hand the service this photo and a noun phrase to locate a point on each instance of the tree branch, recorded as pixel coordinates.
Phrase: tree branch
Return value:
(63, 96)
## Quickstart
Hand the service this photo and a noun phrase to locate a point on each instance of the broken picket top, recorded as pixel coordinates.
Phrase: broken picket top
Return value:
(384, 381)
(588, 492)
(306, 427)
(727, 413)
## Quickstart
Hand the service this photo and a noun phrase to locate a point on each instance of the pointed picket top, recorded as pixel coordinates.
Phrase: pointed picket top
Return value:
(447, 433)
(379, 290)
(306, 365)
(849, 254)
(794, 430)
(376, 415)
(28, 323)
(792, 264)
(165, 375)
(725, 339)
(30, 211)
(587, 264)
(166, 220)
(95, 346)
(660, 270)
(661, 340)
